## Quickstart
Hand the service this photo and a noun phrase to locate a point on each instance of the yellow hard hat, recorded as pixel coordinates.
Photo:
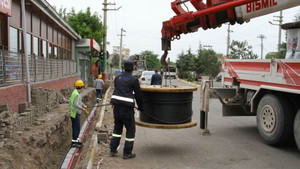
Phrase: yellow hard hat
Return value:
(79, 83)
(100, 76)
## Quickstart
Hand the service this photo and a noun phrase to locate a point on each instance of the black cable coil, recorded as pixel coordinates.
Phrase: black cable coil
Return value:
(167, 107)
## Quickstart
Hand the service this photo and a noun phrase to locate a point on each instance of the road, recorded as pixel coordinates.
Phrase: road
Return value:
(234, 143)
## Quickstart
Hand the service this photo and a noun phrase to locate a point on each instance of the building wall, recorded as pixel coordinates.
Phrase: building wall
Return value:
(44, 36)
(13, 95)
(16, 94)
(125, 52)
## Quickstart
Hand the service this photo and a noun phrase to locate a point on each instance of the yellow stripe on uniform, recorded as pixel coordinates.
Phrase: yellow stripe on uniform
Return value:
(116, 135)
(129, 139)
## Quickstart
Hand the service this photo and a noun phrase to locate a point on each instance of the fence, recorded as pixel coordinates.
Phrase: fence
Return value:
(13, 68)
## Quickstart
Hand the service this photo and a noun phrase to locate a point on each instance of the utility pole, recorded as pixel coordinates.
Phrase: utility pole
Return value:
(280, 20)
(105, 9)
(262, 37)
(228, 40)
(121, 41)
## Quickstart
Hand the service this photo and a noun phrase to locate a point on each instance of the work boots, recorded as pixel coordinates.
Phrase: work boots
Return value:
(128, 156)
(113, 153)
(76, 144)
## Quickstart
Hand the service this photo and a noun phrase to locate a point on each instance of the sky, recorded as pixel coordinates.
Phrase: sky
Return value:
(142, 21)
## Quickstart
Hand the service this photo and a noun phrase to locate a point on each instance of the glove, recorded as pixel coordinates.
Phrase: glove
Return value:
(86, 111)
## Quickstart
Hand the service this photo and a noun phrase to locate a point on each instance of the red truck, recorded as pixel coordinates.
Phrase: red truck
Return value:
(268, 89)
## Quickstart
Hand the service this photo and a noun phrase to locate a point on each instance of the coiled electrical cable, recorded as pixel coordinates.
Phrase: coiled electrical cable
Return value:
(167, 107)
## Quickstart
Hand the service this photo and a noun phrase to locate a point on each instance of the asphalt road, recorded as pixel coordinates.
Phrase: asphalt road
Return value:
(234, 143)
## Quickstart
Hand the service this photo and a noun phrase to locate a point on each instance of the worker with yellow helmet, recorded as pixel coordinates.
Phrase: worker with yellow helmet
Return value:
(99, 86)
(76, 106)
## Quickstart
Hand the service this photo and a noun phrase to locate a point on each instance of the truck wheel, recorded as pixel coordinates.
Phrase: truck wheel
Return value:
(297, 129)
(274, 120)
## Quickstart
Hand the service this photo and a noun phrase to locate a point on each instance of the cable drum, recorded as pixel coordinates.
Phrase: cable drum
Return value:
(167, 105)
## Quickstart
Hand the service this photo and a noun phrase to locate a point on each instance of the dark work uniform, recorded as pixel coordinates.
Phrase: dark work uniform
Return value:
(127, 89)
(156, 79)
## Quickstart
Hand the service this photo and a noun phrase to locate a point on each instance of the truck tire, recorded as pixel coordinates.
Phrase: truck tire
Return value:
(274, 120)
(297, 129)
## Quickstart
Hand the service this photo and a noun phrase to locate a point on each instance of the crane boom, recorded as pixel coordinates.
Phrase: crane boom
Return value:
(214, 13)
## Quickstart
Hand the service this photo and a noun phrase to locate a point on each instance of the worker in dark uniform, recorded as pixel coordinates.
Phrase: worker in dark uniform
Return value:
(156, 78)
(127, 90)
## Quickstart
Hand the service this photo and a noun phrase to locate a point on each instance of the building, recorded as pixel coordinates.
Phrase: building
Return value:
(50, 45)
(125, 52)
(86, 51)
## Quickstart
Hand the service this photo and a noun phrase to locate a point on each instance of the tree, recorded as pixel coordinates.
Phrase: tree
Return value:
(62, 12)
(85, 24)
(186, 63)
(152, 60)
(278, 55)
(132, 57)
(111, 66)
(115, 61)
(241, 50)
(207, 62)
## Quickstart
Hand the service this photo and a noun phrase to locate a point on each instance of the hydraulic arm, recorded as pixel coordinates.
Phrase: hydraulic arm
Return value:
(213, 14)
(210, 15)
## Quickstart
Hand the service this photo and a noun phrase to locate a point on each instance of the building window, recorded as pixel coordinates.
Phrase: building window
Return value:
(55, 52)
(13, 39)
(64, 54)
(28, 43)
(0, 33)
(58, 53)
(50, 50)
(21, 42)
(35, 46)
(44, 50)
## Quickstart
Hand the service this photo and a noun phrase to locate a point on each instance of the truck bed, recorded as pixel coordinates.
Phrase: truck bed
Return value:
(276, 74)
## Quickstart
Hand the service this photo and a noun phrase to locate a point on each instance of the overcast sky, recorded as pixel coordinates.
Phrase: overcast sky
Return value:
(142, 21)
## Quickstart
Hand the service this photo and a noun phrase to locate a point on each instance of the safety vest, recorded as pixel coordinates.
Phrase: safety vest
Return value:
(71, 105)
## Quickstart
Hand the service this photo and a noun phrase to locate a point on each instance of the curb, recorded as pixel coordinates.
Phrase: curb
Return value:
(190, 83)
(95, 138)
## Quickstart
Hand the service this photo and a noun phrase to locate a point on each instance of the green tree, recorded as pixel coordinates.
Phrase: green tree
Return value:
(62, 12)
(278, 55)
(241, 50)
(132, 57)
(111, 65)
(152, 60)
(115, 61)
(85, 24)
(185, 64)
(207, 62)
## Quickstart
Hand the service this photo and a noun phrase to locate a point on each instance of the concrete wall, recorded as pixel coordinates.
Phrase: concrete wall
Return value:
(16, 94)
